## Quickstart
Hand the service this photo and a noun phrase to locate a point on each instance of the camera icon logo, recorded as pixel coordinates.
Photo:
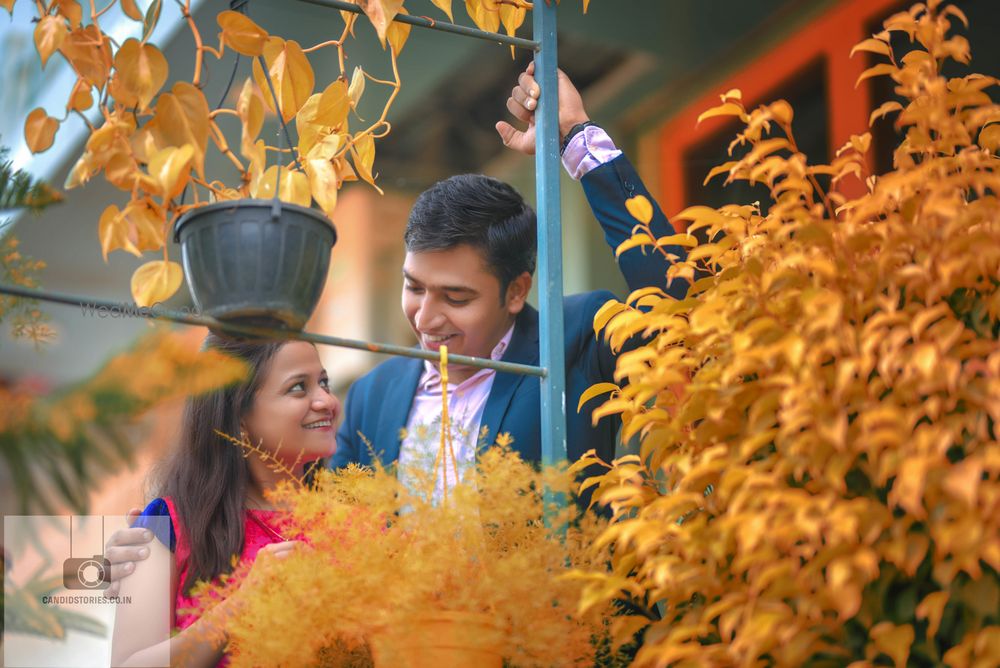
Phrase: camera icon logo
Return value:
(87, 572)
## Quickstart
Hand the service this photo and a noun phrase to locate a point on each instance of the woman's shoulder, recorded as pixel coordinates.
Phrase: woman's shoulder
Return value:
(159, 517)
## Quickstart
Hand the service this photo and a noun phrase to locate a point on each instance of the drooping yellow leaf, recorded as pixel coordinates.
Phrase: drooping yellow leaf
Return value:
(878, 70)
(381, 13)
(444, 6)
(686, 240)
(357, 87)
(182, 118)
(294, 186)
(241, 34)
(170, 169)
(893, 640)
(635, 241)
(131, 10)
(80, 98)
(363, 151)
(989, 138)
(727, 109)
(595, 390)
(250, 108)
(146, 224)
(112, 231)
(291, 74)
(782, 111)
(485, 16)
(71, 10)
(39, 130)
(9, 5)
(151, 19)
(323, 184)
(512, 17)
(333, 105)
(610, 309)
(640, 208)
(156, 281)
(326, 148)
(121, 170)
(884, 109)
(871, 45)
(89, 54)
(140, 72)
(397, 33)
(932, 609)
(49, 35)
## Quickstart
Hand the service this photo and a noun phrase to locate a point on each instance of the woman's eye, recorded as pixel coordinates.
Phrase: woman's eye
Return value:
(297, 387)
(325, 383)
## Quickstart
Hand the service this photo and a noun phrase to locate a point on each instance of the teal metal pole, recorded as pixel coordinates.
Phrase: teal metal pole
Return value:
(550, 292)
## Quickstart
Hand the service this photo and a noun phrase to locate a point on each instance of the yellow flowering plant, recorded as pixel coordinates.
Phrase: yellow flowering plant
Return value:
(381, 556)
(819, 475)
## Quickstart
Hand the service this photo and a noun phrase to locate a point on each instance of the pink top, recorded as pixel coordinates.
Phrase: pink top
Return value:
(260, 528)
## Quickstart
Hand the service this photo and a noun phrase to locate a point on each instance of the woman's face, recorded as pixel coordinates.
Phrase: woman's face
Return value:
(294, 411)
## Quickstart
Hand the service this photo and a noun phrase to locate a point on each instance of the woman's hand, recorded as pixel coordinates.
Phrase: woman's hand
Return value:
(261, 571)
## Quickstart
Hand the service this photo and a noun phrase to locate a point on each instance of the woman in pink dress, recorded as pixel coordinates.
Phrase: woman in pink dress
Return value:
(211, 502)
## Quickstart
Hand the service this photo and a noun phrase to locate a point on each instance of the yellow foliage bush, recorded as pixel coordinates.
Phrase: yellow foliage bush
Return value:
(819, 477)
(382, 556)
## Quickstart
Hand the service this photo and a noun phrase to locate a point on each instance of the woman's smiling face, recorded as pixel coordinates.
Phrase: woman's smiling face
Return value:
(294, 415)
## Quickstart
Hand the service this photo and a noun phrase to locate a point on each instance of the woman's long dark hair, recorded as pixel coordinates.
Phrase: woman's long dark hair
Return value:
(207, 476)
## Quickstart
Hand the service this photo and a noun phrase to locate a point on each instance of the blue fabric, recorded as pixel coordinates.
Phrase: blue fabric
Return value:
(378, 404)
(164, 531)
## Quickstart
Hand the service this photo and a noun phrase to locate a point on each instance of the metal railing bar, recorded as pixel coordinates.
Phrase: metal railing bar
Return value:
(157, 313)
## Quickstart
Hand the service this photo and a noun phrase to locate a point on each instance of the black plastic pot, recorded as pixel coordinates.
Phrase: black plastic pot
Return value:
(254, 261)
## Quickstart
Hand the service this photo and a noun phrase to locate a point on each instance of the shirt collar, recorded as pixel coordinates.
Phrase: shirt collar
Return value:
(431, 378)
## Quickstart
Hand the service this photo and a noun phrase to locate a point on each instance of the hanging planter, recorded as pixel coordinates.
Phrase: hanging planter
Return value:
(256, 261)
(443, 638)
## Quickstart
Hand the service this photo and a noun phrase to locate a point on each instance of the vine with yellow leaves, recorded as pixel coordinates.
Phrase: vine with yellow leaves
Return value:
(152, 143)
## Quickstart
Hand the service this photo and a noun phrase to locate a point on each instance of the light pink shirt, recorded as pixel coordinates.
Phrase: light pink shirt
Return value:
(587, 150)
(466, 404)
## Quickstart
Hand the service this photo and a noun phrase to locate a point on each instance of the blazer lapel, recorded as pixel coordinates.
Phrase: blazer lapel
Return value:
(523, 350)
(397, 401)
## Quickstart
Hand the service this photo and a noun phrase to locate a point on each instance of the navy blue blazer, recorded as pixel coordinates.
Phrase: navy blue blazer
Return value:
(378, 404)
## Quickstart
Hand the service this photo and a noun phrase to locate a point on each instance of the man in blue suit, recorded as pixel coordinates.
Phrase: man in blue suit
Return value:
(470, 256)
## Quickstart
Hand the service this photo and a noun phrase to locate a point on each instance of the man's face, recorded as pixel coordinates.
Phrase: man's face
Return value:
(451, 298)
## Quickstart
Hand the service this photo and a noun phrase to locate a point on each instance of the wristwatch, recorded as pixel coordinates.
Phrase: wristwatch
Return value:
(573, 131)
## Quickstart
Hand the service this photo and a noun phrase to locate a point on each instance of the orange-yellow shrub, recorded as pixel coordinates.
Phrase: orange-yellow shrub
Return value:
(382, 555)
(823, 487)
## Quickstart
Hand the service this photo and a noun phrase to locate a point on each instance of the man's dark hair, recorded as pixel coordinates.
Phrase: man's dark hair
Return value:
(480, 211)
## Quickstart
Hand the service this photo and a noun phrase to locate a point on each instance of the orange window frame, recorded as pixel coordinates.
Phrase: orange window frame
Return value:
(830, 37)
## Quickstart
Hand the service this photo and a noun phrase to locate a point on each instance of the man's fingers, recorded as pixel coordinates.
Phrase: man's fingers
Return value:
(134, 536)
(124, 553)
(507, 132)
(528, 84)
(518, 111)
(522, 98)
(120, 571)
(112, 590)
